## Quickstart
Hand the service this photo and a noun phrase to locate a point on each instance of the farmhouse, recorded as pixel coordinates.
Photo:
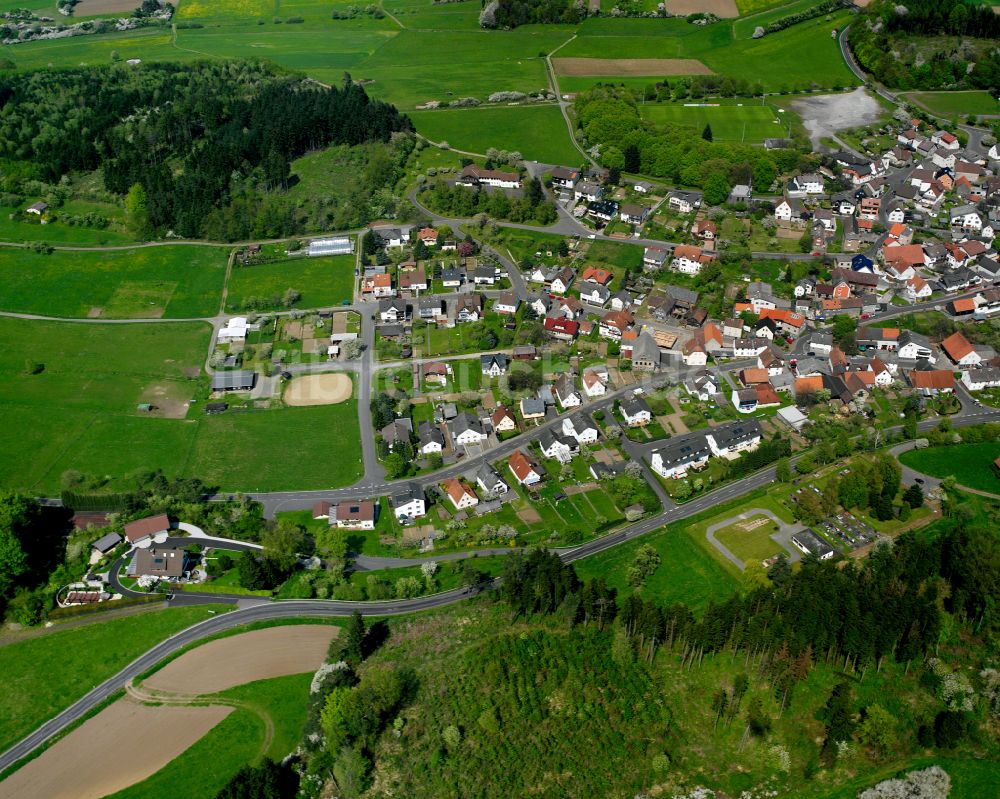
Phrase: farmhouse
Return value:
(961, 352)
(474, 175)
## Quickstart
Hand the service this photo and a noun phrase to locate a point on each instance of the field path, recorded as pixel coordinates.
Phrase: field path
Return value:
(550, 73)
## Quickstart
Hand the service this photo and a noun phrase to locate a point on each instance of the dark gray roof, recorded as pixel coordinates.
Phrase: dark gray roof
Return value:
(466, 421)
(429, 433)
(406, 494)
(730, 435)
(816, 545)
(106, 542)
(634, 405)
(233, 381)
(686, 450)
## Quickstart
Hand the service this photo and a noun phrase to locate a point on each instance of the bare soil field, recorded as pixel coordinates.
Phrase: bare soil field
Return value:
(629, 67)
(120, 746)
(825, 114)
(93, 8)
(169, 399)
(328, 389)
(239, 659)
(724, 9)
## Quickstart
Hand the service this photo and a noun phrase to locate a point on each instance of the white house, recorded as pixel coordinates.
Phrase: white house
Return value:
(674, 459)
(688, 259)
(594, 383)
(566, 392)
(595, 294)
(467, 429)
(461, 494)
(913, 346)
(967, 218)
(978, 379)
(235, 330)
(431, 439)
(917, 289)
(409, 503)
(730, 440)
(580, 428)
(636, 411)
(783, 211)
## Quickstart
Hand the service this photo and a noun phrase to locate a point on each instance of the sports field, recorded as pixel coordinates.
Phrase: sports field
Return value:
(173, 281)
(970, 464)
(951, 104)
(320, 281)
(748, 124)
(538, 132)
(80, 413)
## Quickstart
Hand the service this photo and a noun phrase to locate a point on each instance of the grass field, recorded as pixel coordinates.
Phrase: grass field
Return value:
(747, 545)
(538, 132)
(204, 768)
(970, 464)
(43, 675)
(80, 413)
(749, 124)
(776, 60)
(321, 281)
(952, 104)
(56, 232)
(178, 281)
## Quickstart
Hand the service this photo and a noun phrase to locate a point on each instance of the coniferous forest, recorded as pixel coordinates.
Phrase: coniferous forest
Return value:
(563, 689)
(177, 138)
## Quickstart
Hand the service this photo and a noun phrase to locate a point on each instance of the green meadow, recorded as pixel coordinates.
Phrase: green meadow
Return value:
(538, 132)
(173, 281)
(970, 464)
(328, 280)
(951, 104)
(75, 660)
(80, 413)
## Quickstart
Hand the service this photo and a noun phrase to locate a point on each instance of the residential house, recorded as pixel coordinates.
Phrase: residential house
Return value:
(580, 427)
(744, 400)
(621, 300)
(633, 214)
(507, 303)
(683, 202)
(149, 527)
(166, 563)
(525, 471)
(645, 354)
(689, 259)
(489, 481)
(703, 385)
(484, 275)
(960, 351)
(452, 277)
(913, 346)
(677, 456)
(408, 503)
(562, 280)
(429, 236)
(932, 381)
(467, 430)
(565, 178)
(730, 440)
(595, 294)
(392, 309)
(532, 408)
(415, 280)
(605, 210)
(594, 382)
(494, 364)
(354, 515)
(430, 309)
(397, 432)
(436, 373)
(561, 328)
(566, 392)
(654, 258)
(979, 379)
(635, 411)
(588, 190)
(431, 440)
(503, 420)
(560, 447)
(460, 493)
(917, 288)
(803, 185)
(704, 229)
(469, 308)
(614, 323)
(966, 218)
(474, 175)
(378, 285)
(784, 210)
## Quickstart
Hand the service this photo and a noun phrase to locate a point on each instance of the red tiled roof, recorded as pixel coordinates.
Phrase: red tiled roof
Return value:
(146, 527)
(935, 378)
(957, 346)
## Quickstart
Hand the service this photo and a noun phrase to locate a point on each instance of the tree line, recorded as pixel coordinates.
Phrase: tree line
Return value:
(176, 138)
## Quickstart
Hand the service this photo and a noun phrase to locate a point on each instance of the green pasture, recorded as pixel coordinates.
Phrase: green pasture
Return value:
(204, 768)
(970, 464)
(419, 14)
(794, 58)
(952, 104)
(47, 673)
(328, 280)
(748, 124)
(148, 44)
(538, 132)
(58, 231)
(179, 281)
(79, 413)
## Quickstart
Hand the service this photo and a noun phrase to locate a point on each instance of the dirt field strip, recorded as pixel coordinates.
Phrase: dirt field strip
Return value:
(120, 746)
(724, 9)
(629, 67)
(239, 659)
(326, 389)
